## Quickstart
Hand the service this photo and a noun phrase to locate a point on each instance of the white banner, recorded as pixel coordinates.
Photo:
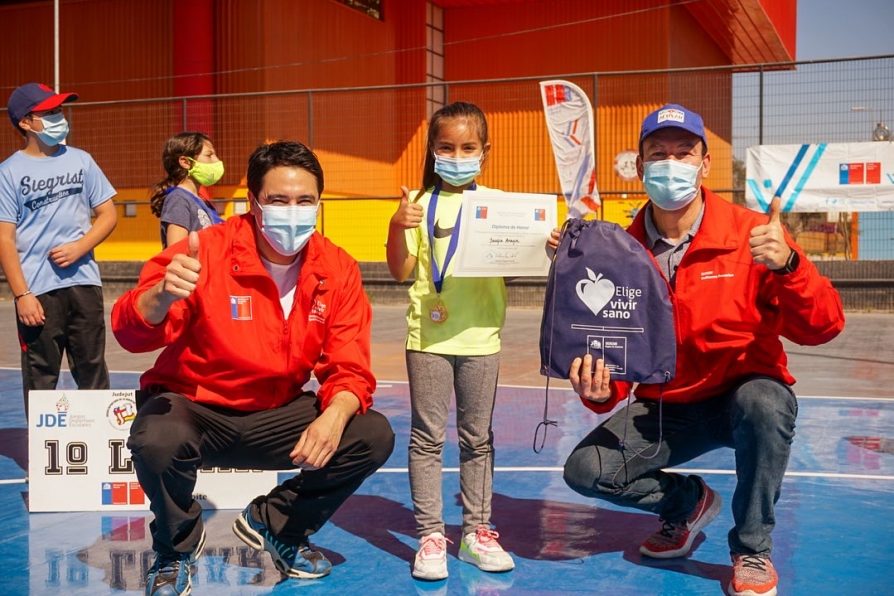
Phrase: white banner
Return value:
(78, 458)
(569, 120)
(822, 177)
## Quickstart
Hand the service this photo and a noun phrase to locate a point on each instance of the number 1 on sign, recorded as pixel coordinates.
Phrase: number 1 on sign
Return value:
(75, 457)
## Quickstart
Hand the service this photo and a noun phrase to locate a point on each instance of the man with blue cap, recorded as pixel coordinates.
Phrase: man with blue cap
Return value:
(738, 284)
(55, 208)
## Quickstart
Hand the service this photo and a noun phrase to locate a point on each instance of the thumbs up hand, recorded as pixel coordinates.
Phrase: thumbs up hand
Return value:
(408, 214)
(192, 245)
(182, 273)
(768, 246)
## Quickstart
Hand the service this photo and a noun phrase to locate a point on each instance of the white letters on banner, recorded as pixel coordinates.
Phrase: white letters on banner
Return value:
(569, 120)
(78, 458)
(822, 177)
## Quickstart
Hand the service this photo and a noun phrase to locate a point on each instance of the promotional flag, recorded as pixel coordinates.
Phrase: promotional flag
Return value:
(569, 120)
(821, 177)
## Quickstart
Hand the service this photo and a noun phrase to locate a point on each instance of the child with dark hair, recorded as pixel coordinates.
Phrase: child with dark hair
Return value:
(191, 164)
(453, 344)
(55, 208)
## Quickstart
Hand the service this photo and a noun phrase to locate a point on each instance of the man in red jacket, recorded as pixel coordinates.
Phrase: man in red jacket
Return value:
(738, 283)
(246, 311)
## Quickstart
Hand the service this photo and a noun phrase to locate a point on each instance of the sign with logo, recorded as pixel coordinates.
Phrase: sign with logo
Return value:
(78, 458)
(822, 177)
(625, 165)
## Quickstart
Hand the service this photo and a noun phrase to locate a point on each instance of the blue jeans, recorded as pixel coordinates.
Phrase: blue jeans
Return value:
(757, 419)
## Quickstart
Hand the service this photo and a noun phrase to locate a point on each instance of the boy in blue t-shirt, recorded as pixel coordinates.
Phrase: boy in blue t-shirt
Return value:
(48, 193)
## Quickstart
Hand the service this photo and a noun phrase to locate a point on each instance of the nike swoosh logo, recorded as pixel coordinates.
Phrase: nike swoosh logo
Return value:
(442, 232)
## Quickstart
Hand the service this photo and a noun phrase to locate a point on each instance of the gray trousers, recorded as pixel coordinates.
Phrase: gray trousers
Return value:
(433, 378)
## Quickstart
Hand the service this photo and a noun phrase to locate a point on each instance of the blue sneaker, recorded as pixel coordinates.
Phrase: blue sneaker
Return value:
(170, 574)
(292, 561)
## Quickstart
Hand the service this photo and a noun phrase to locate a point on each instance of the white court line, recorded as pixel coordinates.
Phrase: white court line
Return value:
(557, 469)
(680, 470)
(554, 382)
(387, 383)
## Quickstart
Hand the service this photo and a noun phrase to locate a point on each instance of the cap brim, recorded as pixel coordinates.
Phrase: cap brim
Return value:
(54, 101)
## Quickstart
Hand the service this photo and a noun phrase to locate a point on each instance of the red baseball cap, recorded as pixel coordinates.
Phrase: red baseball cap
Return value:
(35, 97)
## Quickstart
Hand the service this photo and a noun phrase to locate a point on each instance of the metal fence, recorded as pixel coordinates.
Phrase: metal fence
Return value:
(372, 139)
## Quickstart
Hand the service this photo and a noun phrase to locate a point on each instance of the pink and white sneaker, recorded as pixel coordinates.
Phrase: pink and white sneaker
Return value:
(431, 558)
(480, 548)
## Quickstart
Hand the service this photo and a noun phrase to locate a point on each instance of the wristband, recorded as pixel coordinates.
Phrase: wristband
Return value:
(22, 295)
(794, 259)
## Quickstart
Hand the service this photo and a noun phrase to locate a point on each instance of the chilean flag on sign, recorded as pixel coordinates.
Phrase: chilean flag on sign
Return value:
(557, 94)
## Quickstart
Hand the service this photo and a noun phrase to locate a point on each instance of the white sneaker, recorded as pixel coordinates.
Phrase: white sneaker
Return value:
(480, 548)
(431, 558)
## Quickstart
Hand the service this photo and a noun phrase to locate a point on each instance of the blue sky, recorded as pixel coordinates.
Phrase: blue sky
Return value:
(812, 104)
(843, 28)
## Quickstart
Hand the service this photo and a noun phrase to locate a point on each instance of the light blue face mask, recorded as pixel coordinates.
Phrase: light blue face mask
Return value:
(670, 184)
(55, 129)
(457, 171)
(287, 228)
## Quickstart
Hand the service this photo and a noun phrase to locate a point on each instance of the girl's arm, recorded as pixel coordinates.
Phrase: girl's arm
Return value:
(175, 233)
(408, 215)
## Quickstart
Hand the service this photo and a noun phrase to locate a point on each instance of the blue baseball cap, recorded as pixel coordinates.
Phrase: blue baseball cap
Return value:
(673, 115)
(34, 97)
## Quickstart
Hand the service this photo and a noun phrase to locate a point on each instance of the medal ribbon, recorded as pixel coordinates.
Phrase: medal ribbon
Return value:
(437, 275)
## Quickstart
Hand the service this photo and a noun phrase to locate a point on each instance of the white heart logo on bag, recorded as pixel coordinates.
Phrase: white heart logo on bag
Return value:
(595, 292)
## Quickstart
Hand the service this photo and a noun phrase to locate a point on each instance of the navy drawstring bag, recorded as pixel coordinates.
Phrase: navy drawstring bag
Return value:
(605, 297)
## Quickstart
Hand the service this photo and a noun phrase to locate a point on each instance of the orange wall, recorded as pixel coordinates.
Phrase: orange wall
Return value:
(370, 141)
(609, 35)
(317, 44)
(111, 49)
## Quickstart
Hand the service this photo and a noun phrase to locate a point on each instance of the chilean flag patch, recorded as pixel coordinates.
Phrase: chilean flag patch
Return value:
(240, 308)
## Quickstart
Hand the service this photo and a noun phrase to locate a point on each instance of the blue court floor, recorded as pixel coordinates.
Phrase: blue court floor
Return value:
(835, 520)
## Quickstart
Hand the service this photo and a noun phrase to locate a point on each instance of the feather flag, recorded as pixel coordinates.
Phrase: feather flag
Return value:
(569, 119)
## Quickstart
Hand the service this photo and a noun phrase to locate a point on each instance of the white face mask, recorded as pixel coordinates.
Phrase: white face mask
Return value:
(287, 228)
(55, 129)
(457, 171)
(671, 184)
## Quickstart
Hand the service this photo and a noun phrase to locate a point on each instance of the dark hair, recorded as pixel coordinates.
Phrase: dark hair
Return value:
(457, 109)
(279, 154)
(185, 144)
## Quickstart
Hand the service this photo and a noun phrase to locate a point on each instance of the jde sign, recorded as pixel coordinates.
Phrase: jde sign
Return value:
(59, 420)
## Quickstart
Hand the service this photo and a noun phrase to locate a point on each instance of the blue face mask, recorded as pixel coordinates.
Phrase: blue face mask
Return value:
(287, 228)
(670, 184)
(457, 171)
(55, 129)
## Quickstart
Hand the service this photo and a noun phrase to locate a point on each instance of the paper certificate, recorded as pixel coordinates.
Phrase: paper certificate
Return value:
(504, 234)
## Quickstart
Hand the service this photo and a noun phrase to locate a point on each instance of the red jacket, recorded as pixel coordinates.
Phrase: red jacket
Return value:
(228, 344)
(730, 312)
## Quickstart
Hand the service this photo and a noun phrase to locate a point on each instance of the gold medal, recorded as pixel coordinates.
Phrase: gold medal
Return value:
(438, 312)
